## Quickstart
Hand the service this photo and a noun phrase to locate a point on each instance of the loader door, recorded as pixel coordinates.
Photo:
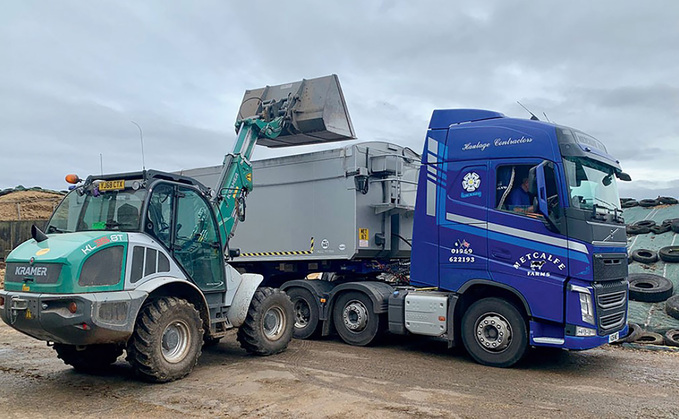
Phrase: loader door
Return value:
(196, 242)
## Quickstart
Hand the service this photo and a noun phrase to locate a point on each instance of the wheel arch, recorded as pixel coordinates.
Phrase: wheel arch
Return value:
(478, 289)
(378, 292)
(162, 287)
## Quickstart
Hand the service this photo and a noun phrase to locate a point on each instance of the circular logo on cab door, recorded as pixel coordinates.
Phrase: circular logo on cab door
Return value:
(42, 251)
(471, 182)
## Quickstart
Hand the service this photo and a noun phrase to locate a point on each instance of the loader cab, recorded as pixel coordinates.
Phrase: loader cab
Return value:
(172, 209)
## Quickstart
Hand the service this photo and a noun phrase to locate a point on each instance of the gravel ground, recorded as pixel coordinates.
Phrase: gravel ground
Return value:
(399, 378)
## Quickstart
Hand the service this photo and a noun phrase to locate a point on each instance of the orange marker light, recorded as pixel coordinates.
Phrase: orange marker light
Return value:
(442, 319)
(72, 179)
(73, 307)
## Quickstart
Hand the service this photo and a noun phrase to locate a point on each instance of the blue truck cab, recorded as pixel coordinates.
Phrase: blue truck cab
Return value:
(520, 220)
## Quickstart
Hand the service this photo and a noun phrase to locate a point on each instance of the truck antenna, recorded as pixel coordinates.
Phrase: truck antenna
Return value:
(546, 117)
(141, 137)
(532, 115)
(101, 163)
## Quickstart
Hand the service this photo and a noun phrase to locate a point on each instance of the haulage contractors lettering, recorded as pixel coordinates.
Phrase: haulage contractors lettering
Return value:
(512, 141)
(30, 271)
(478, 145)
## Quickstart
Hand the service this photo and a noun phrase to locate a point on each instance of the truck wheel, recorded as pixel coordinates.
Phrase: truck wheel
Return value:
(167, 340)
(306, 313)
(354, 318)
(494, 332)
(268, 326)
(91, 358)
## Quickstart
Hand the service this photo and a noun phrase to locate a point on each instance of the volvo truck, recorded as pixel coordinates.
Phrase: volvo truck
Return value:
(503, 234)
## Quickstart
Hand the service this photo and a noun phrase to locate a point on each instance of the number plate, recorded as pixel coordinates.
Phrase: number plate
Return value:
(112, 185)
(614, 337)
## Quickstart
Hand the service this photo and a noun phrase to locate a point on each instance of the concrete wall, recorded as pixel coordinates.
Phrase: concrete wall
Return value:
(13, 233)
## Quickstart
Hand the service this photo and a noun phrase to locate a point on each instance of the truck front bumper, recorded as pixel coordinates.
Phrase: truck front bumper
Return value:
(74, 319)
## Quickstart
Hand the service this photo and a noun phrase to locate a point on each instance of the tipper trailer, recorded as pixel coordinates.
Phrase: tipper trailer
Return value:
(505, 233)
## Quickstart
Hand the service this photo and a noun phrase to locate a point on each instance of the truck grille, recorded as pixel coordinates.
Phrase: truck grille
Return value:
(611, 301)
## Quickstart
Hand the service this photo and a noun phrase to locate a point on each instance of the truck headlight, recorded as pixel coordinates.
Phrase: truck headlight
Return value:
(586, 308)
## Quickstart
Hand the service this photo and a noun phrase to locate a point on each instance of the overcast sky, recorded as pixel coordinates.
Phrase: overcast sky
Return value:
(74, 74)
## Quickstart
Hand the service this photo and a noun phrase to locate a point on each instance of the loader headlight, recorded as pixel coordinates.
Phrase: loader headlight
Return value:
(586, 308)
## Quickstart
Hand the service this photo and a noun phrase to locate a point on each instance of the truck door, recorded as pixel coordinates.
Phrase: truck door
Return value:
(462, 225)
(523, 252)
(196, 242)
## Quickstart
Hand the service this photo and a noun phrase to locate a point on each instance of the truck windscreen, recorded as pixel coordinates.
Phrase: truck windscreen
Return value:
(85, 210)
(591, 182)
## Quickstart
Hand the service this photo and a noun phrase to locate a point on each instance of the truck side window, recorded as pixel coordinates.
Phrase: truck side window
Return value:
(513, 190)
(159, 217)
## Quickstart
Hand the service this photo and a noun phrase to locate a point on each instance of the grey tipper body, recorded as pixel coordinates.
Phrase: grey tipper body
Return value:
(319, 197)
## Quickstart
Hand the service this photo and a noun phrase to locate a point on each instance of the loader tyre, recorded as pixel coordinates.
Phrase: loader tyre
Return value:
(306, 313)
(494, 332)
(355, 319)
(167, 340)
(91, 358)
(267, 329)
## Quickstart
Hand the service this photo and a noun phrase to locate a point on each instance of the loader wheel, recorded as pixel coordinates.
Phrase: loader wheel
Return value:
(306, 313)
(91, 358)
(167, 340)
(354, 318)
(494, 332)
(267, 329)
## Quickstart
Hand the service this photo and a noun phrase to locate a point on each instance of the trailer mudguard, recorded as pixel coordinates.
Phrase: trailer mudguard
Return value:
(378, 292)
(317, 288)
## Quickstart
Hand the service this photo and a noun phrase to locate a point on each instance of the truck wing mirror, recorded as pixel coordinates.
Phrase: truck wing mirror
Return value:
(541, 189)
(623, 176)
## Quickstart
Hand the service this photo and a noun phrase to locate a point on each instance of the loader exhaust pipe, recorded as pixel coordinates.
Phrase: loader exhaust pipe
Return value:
(314, 111)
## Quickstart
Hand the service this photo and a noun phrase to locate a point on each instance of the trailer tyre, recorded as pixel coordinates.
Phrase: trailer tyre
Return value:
(494, 332)
(355, 319)
(267, 329)
(91, 358)
(306, 313)
(167, 340)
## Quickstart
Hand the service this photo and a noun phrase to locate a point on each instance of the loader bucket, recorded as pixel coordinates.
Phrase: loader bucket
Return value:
(318, 113)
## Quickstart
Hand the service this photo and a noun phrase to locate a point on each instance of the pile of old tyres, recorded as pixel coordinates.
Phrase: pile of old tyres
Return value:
(648, 203)
(638, 335)
(650, 226)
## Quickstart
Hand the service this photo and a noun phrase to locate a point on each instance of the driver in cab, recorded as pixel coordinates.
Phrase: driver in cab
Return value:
(519, 199)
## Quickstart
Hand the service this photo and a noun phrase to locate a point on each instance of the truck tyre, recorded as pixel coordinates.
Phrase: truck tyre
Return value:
(672, 337)
(167, 340)
(306, 313)
(648, 203)
(645, 255)
(494, 332)
(267, 329)
(660, 229)
(632, 335)
(644, 223)
(672, 307)
(669, 254)
(650, 338)
(633, 229)
(629, 204)
(355, 319)
(649, 288)
(667, 200)
(91, 358)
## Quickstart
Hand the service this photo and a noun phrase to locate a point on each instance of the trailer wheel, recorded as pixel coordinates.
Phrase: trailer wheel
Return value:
(267, 329)
(494, 332)
(306, 313)
(167, 340)
(355, 320)
(91, 358)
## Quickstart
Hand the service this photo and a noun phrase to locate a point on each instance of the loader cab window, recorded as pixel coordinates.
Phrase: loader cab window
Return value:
(196, 245)
(159, 215)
